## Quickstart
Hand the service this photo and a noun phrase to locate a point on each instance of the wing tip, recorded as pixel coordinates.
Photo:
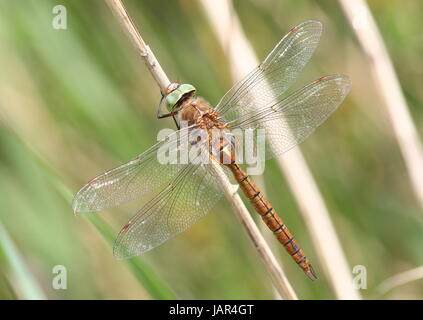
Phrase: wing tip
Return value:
(311, 21)
(119, 256)
(343, 81)
(308, 24)
(79, 207)
(121, 248)
(336, 76)
(316, 23)
(346, 80)
(76, 205)
(121, 253)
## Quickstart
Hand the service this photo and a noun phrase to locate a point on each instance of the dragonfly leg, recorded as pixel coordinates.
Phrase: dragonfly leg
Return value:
(176, 123)
(165, 115)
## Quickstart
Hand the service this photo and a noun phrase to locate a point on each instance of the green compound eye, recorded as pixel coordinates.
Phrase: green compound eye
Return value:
(186, 87)
(171, 99)
(175, 96)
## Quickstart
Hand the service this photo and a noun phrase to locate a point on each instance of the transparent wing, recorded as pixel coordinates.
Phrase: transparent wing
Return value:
(130, 180)
(290, 121)
(187, 198)
(274, 76)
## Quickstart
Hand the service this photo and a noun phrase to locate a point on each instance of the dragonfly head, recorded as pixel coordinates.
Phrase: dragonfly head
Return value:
(176, 92)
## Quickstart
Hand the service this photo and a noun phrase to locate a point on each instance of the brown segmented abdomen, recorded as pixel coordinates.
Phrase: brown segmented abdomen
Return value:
(198, 111)
(272, 220)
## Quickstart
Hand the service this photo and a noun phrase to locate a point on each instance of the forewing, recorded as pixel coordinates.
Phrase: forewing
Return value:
(290, 121)
(131, 180)
(274, 76)
(187, 198)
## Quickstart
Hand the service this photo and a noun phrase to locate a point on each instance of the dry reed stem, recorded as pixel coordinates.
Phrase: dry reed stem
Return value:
(242, 60)
(277, 275)
(279, 279)
(23, 282)
(384, 76)
(150, 60)
(401, 279)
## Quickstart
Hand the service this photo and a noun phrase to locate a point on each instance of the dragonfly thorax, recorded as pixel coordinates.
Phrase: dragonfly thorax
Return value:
(199, 114)
(197, 111)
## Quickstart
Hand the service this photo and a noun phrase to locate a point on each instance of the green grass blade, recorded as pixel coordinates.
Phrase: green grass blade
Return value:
(24, 282)
(155, 286)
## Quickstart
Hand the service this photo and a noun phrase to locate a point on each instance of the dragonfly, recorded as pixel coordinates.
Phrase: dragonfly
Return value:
(182, 193)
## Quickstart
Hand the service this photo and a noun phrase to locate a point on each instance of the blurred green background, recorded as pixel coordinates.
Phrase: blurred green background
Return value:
(76, 102)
